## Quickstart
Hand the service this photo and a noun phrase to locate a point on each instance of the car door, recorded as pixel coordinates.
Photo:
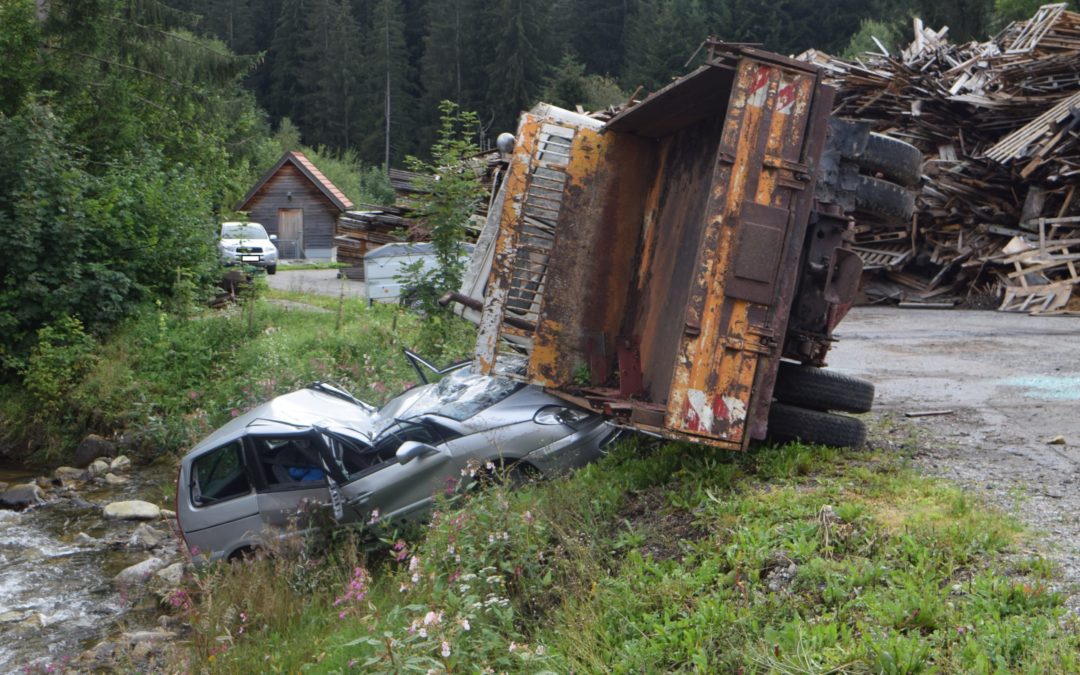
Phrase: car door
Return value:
(292, 480)
(217, 504)
(398, 490)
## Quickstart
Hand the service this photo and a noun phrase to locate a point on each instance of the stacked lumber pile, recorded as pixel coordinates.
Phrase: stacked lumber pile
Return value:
(360, 231)
(999, 124)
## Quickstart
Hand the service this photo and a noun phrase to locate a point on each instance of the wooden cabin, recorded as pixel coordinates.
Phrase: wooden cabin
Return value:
(295, 201)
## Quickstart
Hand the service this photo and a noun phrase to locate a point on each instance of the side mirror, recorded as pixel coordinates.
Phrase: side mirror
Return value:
(273, 237)
(411, 450)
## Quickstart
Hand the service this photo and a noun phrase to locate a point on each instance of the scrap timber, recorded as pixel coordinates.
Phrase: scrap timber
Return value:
(999, 124)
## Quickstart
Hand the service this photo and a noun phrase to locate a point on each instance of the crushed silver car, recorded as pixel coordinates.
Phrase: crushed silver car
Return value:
(246, 482)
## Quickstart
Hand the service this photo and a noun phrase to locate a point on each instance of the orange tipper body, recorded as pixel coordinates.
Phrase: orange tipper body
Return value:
(648, 265)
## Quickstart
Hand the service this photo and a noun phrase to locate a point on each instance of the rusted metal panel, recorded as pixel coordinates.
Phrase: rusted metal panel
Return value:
(517, 185)
(657, 258)
(757, 174)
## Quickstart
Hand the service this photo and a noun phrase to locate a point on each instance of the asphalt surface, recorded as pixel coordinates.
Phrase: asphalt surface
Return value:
(322, 282)
(1011, 386)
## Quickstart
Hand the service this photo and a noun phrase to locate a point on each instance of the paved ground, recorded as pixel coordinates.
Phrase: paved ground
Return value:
(323, 282)
(1013, 384)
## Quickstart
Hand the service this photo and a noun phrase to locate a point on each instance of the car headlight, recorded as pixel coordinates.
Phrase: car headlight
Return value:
(557, 414)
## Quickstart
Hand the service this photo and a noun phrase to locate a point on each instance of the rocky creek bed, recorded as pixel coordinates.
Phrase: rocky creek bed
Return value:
(86, 558)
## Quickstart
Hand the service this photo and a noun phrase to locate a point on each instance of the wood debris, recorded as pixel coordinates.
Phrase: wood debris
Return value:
(999, 125)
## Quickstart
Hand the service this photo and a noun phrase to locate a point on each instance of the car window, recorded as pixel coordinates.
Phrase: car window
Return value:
(459, 396)
(249, 231)
(219, 475)
(289, 462)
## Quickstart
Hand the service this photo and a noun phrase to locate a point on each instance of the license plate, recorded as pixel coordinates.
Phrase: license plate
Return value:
(249, 258)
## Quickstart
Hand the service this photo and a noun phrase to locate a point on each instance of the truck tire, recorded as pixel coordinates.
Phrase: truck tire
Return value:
(897, 161)
(792, 423)
(884, 200)
(822, 389)
(271, 269)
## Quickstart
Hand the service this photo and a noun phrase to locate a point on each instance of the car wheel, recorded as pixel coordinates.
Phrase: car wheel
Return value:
(792, 423)
(896, 160)
(822, 389)
(884, 200)
(271, 269)
(245, 554)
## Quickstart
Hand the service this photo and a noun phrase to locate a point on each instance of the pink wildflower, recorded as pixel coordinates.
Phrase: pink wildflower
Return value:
(465, 624)
(445, 650)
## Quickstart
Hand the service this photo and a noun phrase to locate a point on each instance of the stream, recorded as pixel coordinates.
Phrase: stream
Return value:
(57, 597)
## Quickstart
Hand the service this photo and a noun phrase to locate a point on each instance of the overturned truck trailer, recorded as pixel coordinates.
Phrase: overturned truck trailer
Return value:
(660, 266)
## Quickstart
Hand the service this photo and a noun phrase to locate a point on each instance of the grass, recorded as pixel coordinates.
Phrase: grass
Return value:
(327, 265)
(164, 380)
(672, 558)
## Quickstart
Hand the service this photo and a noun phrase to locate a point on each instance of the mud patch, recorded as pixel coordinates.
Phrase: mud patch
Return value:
(664, 528)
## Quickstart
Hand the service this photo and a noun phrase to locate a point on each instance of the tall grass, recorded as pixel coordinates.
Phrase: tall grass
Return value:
(675, 558)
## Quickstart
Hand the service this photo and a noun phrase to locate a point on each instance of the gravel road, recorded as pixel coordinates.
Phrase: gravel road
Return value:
(1012, 383)
(323, 282)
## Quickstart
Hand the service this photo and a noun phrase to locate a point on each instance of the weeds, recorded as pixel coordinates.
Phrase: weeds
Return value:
(838, 562)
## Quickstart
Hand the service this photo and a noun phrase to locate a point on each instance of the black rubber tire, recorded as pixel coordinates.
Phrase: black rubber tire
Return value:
(792, 423)
(884, 200)
(271, 269)
(897, 161)
(822, 389)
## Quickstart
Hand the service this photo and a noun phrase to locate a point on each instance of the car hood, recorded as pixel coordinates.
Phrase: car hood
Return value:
(297, 411)
(266, 243)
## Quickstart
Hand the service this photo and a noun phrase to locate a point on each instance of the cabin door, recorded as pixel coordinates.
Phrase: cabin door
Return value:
(291, 233)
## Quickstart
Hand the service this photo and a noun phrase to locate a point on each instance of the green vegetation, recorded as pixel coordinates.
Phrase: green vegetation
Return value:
(369, 76)
(660, 558)
(168, 379)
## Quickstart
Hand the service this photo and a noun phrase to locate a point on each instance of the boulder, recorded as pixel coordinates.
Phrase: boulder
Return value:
(145, 536)
(22, 496)
(90, 448)
(132, 510)
(14, 616)
(141, 636)
(139, 573)
(69, 473)
(168, 515)
(121, 463)
(85, 539)
(169, 577)
(113, 479)
(98, 467)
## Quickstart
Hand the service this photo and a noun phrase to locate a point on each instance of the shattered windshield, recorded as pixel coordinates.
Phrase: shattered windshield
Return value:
(459, 396)
(244, 231)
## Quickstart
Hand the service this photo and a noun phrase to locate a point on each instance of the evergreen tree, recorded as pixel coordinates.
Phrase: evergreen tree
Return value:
(332, 52)
(516, 70)
(287, 68)
(389, 103)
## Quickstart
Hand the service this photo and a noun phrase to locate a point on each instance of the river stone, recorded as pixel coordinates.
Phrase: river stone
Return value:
(139, 572)
(98, 467)
(21, 496)
(145, 536)
(166, 514)
(84, 538)
(171, 576)
(132, 510)
(90, 448)
(11, 617)
(113, 479)
(141, 636)
(35, 620)
(121, 463)
(69, 473)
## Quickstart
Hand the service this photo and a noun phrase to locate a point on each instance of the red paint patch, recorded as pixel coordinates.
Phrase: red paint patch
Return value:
(692, 421)
(720, 413)
(785, 98)
(761, 78)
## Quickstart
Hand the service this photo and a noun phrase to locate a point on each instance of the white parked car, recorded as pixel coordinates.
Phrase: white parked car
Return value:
(248, 244)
